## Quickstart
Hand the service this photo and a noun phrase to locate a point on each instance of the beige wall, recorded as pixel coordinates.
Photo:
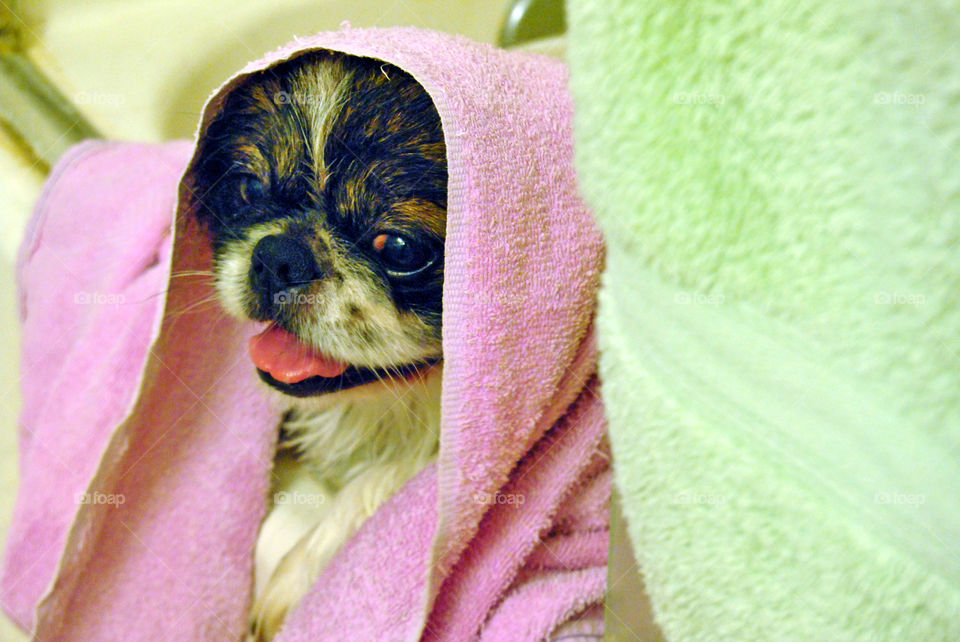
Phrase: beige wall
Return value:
(141, 70)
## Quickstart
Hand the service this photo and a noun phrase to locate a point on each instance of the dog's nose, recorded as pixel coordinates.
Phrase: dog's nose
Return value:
(280, 262)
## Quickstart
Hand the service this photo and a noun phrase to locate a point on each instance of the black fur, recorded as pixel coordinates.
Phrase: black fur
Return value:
(385, 161)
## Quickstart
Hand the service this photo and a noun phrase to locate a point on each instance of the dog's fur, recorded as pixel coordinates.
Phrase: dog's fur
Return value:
(334, 152)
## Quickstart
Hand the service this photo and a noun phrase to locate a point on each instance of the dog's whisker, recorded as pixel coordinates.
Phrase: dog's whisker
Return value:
(196, 306)
(186, 273)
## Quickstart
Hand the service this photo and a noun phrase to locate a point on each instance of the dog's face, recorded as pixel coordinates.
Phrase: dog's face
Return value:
(323, 185)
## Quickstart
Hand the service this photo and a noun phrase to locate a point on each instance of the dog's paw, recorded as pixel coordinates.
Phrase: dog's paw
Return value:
(299, 569)
(290, 582)
(271, 607)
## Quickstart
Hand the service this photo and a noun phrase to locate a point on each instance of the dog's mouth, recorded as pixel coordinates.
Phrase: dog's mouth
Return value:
(287, 364)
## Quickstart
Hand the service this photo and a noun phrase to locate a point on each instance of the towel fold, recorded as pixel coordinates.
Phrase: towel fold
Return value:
(147, 441)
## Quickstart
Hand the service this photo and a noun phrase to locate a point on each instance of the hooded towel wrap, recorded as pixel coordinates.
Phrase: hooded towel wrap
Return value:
(146, 441)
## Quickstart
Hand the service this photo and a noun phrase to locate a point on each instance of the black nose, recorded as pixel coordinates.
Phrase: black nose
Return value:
(279, 263)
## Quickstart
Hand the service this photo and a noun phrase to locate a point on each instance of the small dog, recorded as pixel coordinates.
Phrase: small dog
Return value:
(323, 184)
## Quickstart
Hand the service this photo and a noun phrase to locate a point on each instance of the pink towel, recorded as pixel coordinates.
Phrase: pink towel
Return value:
(146, 440)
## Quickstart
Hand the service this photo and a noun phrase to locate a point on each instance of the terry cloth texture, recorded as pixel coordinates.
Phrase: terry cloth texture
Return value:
(779, 318)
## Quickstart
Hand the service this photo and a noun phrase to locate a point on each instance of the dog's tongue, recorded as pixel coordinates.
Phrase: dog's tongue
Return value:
(288, 360)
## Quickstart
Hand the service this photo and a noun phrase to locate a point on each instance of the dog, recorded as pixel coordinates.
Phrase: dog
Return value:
(322, 183)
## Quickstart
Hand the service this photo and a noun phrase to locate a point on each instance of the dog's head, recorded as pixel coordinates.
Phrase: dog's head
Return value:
(322, 182)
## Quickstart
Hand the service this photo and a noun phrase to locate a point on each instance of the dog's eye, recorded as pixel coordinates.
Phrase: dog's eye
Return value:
(250, 189)
(401, 255)
(236, 193)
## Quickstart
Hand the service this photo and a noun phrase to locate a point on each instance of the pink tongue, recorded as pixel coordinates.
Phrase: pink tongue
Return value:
(288, 360)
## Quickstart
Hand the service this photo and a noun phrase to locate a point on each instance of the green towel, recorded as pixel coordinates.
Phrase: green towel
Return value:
(779, 185)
